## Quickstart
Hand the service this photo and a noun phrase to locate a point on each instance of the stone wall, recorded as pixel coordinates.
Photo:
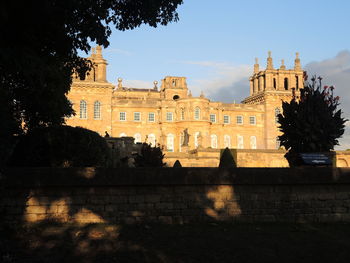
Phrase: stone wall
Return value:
(176, 195)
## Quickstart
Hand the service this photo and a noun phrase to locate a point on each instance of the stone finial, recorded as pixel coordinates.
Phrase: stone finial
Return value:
(190, 94)
(269, 61)
(120, 84)
(297, 65)
(282, 64)
(155, 85)
(256, 66)
(202, 94)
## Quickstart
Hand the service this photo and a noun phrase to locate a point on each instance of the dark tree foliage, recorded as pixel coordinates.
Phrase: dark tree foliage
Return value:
(149, 156)
(177, 164)
(226, 160)
(60, 146)
(39, 52)
(313, 123)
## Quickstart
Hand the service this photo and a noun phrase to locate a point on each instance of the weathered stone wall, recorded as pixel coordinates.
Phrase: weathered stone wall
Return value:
(176, 195)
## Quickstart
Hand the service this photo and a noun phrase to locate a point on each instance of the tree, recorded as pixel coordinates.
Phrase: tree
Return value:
(149, 156)
(226, 159)
(39, 52)
(313, 123)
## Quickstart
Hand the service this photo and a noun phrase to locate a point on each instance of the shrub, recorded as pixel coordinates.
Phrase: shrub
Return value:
(60, 146)
(177, 164)
(313, 123)
(149, 157)
(226, 160)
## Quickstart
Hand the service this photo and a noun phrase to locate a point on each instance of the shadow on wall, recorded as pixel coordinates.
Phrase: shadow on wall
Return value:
(170, 195)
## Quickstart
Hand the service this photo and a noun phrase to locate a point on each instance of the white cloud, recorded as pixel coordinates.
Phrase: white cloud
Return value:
(336, 71)
(137, 84)
(225, 82)
(117, 51)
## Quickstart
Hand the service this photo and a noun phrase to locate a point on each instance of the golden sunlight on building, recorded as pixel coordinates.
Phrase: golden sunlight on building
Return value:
(160, 115)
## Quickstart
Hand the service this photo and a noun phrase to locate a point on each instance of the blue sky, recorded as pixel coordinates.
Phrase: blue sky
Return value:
(215, 42)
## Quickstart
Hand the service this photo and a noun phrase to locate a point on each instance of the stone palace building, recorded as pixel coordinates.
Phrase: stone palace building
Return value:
(160, 115)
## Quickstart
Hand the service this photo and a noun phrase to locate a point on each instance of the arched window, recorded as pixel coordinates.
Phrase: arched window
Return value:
(277, 112)
(197, 113)
(151, 139)
(252, 142)
(196, 139)
(286, 83)
(213, 141)
(297, 82)
(170, 142)
(122, 134)
(278, 143)
(240, 143)
(97, 110)
(83, 110)
(227, 141)
(137, 137)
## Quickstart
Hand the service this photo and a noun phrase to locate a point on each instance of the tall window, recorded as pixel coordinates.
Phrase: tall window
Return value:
(252, 142)
(151, 139)
(182, 114)
(137, 116)
(83, 110)
(226, 119)
(122, 116)
(97, 110)
(169, 116)
(252, 120)
(170, 142)
(297, 82)
(277, 112)
(197, 113)
(151, 117)
(274, 83)
(213, 141)
(239, 119)
(227, 141)
(240, 143)
(137, 137)
(213, 118)
(286, 83)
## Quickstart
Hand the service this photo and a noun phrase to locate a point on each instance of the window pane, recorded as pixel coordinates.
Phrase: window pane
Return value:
(122, 116)
(137, 116)
(226, 119)
(83, 110)
(252, 120)
(169, 116)
(212, 118)
(197, 113)
(151, 117)
(97, 110)
(239, 119)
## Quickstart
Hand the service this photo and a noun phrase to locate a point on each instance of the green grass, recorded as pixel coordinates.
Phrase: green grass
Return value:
(216, 242)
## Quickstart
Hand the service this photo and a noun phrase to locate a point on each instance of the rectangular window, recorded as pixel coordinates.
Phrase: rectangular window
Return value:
(122, 116)
(137, 116)
(252, 120)
(151, 117)
(239, 119)
(212, 118)
(226, 119)
(169, 116)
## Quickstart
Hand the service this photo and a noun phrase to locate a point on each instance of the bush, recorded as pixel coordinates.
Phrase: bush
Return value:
(226, 160)
(61, 146)
(149, 157)
(313, 123)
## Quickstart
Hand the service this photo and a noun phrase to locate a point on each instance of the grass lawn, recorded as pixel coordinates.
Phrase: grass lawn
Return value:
(210, 242)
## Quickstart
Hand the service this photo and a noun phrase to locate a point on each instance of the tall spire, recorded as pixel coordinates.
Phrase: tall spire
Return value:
(256, 66)
(99, 51)
(297, 65)
(269, 61)
(282, 64)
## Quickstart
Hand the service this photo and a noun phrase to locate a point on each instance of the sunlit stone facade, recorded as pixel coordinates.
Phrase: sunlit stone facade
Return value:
(160, 115)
